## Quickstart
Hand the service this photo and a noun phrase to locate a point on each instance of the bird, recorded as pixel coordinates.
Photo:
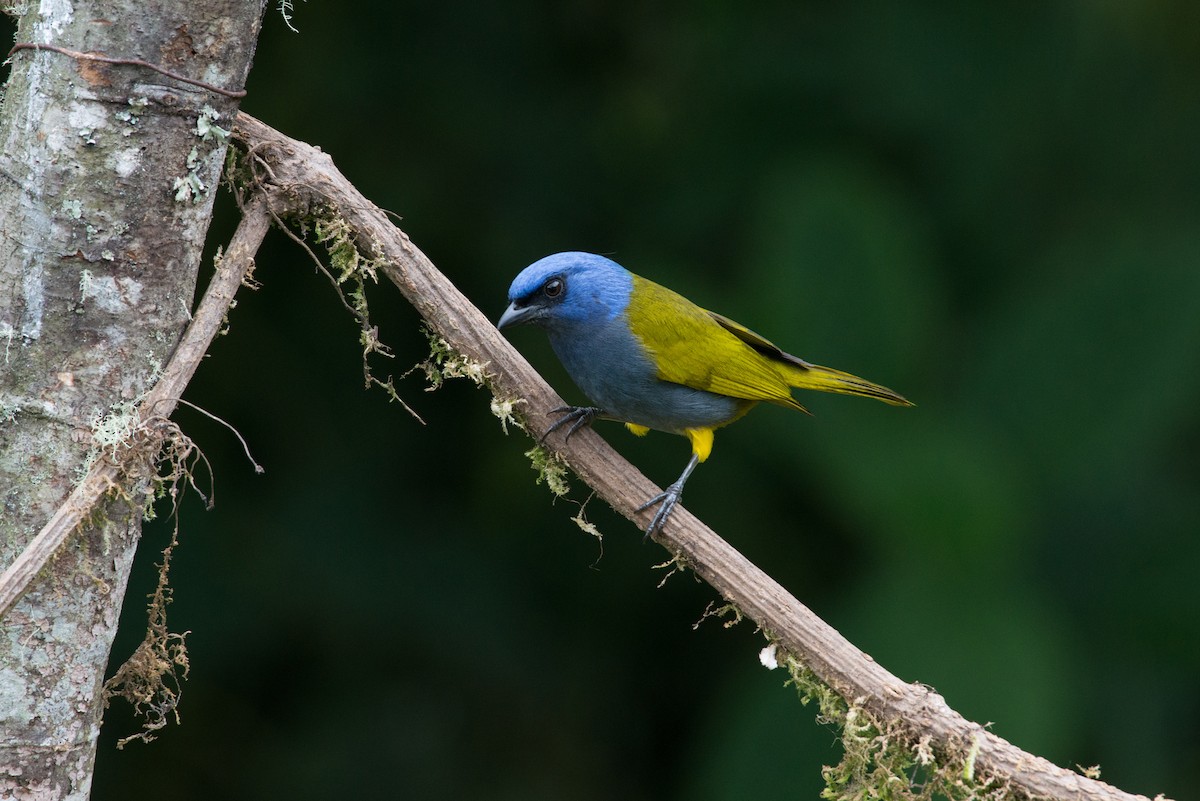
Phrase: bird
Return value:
(648, 357)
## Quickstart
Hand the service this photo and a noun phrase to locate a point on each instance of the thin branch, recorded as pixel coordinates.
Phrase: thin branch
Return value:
(258, 468)
(136, 62)
(304, 179)
(159, 402)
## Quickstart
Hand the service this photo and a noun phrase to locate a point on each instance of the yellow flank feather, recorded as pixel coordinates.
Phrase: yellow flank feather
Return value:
(702, 441)
(704, 350)
(636, 430)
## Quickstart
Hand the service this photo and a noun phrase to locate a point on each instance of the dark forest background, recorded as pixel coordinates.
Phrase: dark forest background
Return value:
(992, 208)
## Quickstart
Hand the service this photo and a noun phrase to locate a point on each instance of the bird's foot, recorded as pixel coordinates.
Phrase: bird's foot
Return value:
(666, 501)
(577, 416)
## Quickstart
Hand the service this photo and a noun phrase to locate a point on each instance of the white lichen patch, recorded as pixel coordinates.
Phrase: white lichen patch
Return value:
(109, 293)
(207, 128)
(445, 362)
(191, 186)
(285, 10)
(61, 125)
(550, 469)
(33, 293)
(14, 696)
(130, 115)
(89, 117)
(125, 162)
(767, 657)
(112, 430)
(924, 751)
(586, 526)
(7, 335)
(53, 18)
(503, 409)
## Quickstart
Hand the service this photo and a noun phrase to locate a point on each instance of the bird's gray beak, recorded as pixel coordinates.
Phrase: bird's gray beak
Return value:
(515, 315)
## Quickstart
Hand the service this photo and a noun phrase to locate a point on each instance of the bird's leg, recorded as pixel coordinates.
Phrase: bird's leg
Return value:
(668, 498)
(577, 416)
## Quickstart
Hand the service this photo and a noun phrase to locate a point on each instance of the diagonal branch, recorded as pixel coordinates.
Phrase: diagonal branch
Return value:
(303, 181)
(158, 403)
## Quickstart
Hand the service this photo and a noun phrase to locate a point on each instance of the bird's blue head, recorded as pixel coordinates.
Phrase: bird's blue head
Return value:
(568, 289)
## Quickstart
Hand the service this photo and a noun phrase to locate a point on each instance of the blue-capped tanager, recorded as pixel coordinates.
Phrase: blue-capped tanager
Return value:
(652, 359)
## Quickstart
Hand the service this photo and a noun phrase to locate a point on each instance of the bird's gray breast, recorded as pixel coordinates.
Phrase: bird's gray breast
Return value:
(613, 369)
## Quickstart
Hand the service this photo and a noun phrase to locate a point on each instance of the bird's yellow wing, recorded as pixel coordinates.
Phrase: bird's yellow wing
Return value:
(692, 347)
(757, 341)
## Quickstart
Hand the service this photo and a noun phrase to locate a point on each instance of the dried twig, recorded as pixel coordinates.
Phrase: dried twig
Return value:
(136, 62)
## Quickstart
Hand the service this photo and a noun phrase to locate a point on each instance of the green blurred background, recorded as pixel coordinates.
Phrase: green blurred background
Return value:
(992, 208)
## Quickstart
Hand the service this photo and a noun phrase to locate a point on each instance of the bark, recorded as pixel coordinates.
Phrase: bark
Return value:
(107, 181)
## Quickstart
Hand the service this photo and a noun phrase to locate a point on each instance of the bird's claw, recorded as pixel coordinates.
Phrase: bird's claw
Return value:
(667, 501)
(577, 416)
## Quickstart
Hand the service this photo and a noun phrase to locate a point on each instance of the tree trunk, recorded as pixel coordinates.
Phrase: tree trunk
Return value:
(107, 178)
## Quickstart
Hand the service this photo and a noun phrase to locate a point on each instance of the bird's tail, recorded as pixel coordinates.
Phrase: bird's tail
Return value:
(826, 379)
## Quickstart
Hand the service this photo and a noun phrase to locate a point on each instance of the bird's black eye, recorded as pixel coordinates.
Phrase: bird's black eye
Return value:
(554, 287)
